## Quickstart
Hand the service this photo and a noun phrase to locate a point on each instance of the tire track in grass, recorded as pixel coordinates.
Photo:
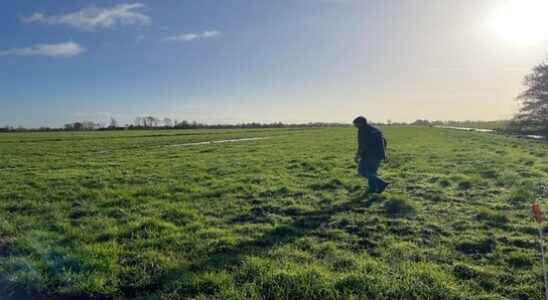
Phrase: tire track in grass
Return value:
(191, 144)
(219, 141)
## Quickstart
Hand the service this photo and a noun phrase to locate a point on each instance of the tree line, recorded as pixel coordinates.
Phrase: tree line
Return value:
(151, 123)
(497, 124)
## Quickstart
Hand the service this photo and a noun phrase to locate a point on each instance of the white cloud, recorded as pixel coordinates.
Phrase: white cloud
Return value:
(68, 49)
(92, 18)
(187, 37)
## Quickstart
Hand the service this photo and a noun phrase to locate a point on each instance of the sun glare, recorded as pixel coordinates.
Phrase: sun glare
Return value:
(522, 20)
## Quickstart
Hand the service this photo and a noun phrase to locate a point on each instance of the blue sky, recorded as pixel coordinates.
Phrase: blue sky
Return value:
(241, 60)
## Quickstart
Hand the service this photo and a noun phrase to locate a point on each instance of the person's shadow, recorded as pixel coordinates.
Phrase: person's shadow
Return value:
(303, 223)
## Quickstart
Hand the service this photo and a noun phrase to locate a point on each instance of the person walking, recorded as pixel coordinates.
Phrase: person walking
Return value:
(371, 152)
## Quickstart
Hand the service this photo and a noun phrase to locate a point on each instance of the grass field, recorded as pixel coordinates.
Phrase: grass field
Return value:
(128, 214)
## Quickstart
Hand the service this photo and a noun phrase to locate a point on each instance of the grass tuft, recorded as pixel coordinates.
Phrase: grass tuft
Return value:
(477, 246)
(399, 206)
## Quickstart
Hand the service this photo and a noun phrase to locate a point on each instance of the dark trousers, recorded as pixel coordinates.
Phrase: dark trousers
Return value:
(368, 168)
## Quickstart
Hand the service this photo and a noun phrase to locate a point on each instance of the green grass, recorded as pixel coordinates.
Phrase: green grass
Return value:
(122, 215)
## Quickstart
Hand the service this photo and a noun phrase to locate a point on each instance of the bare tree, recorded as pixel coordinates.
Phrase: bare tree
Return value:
(184, 124)
(152, 121)
(113, 123)
(168, 122)
(533, 115)
(89, 125)
(138, 121)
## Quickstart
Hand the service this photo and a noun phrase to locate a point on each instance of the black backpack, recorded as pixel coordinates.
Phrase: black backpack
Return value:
(379, 145)
(383, 148)
(374, 143)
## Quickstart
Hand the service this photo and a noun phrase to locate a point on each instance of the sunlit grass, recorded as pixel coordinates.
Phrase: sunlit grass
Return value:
(118, 214)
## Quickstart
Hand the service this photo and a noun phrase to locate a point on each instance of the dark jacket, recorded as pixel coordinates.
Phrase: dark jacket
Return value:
(371, 143)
